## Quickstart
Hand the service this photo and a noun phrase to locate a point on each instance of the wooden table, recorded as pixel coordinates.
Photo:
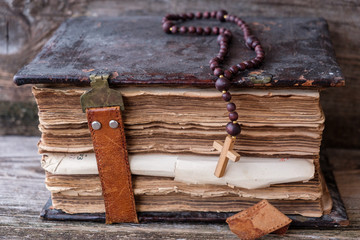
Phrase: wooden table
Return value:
(23, 194)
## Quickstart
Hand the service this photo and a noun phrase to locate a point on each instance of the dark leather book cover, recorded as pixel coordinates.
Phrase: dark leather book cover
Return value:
(135, 50)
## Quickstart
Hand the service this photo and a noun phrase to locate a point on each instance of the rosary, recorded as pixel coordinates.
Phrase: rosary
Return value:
(223, 83)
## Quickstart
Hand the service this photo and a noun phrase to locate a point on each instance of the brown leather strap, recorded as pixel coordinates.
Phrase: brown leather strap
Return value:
(113, 165)
(258, 220)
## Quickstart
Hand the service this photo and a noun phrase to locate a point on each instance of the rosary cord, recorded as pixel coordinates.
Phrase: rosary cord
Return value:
(223, 83)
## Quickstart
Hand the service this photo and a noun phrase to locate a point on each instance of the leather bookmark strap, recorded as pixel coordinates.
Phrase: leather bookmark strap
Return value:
(107, 132)
(258, 220)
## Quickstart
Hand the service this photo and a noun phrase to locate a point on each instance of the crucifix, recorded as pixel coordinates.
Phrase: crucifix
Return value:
(226, 153)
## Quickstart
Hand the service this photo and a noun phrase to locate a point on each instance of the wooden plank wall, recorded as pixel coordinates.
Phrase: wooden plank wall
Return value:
(25, 26)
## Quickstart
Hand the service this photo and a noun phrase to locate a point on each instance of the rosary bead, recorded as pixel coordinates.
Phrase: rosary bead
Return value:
(207, 30)
(239, 22)
(230, 18)
(206, 15)
(234, 69)
(260, 58)
(255, 62)
(223, 52)
(222, 84)
(198, 15)
(233, 129)
(241, 66)
(199, 30)
(215, 59)
(174, 29)
(221, 57)
(226, 96)
(215, 30)
(228, 33)
(183, 29)
(246, 31)
(250, 39)
(254, 44)
(259, 48)
(233, 116)
(190, 16)
(222, 30)
(166, 26)
(231, 107)
(220, 15)
(192, 29)
(222, 37)
(183, 16)
(224, 46)
(248, 64)
(214, 65)
(228, 74)
(218, 72)
(213, 14)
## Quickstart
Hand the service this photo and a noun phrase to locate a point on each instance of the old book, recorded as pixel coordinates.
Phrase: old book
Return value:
(171, 108)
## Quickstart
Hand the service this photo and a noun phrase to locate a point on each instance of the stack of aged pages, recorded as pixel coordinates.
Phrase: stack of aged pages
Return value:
(170, 134)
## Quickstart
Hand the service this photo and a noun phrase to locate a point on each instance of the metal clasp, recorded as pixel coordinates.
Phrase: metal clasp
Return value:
(100, 95)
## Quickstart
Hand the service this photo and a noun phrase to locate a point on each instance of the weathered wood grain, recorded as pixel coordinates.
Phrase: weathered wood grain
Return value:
(340, 105)
(23, 194)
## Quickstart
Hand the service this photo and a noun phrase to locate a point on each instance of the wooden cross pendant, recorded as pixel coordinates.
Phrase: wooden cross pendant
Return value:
(226, 154)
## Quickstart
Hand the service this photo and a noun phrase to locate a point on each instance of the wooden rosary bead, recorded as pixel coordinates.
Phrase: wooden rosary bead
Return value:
(260, 58)
(215, 30)
(255, 62)
(241, 66)
(250, 40)
(222, 38)
(230, 18)
(215, 59)
(224, 46)
(218, 72)
(166, 26)
(199, 30)
(213, 14)
(192, 29)
(183, 29)
(221, 57)
(190, 16)
(220, 15)
(174, 29)
(233, 116)
(233, 129)
(248, 64)
(228, 74)
(234, 69)
(206, 15)
(214, 65)
(228, 34)
(222, 84)
(226, 96)
(207, 30)
(254, 44)
(231, 107)
(183, 16)
(198, 15)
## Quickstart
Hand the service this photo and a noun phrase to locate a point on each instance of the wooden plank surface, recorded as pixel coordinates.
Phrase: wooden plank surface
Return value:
(23, 194)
